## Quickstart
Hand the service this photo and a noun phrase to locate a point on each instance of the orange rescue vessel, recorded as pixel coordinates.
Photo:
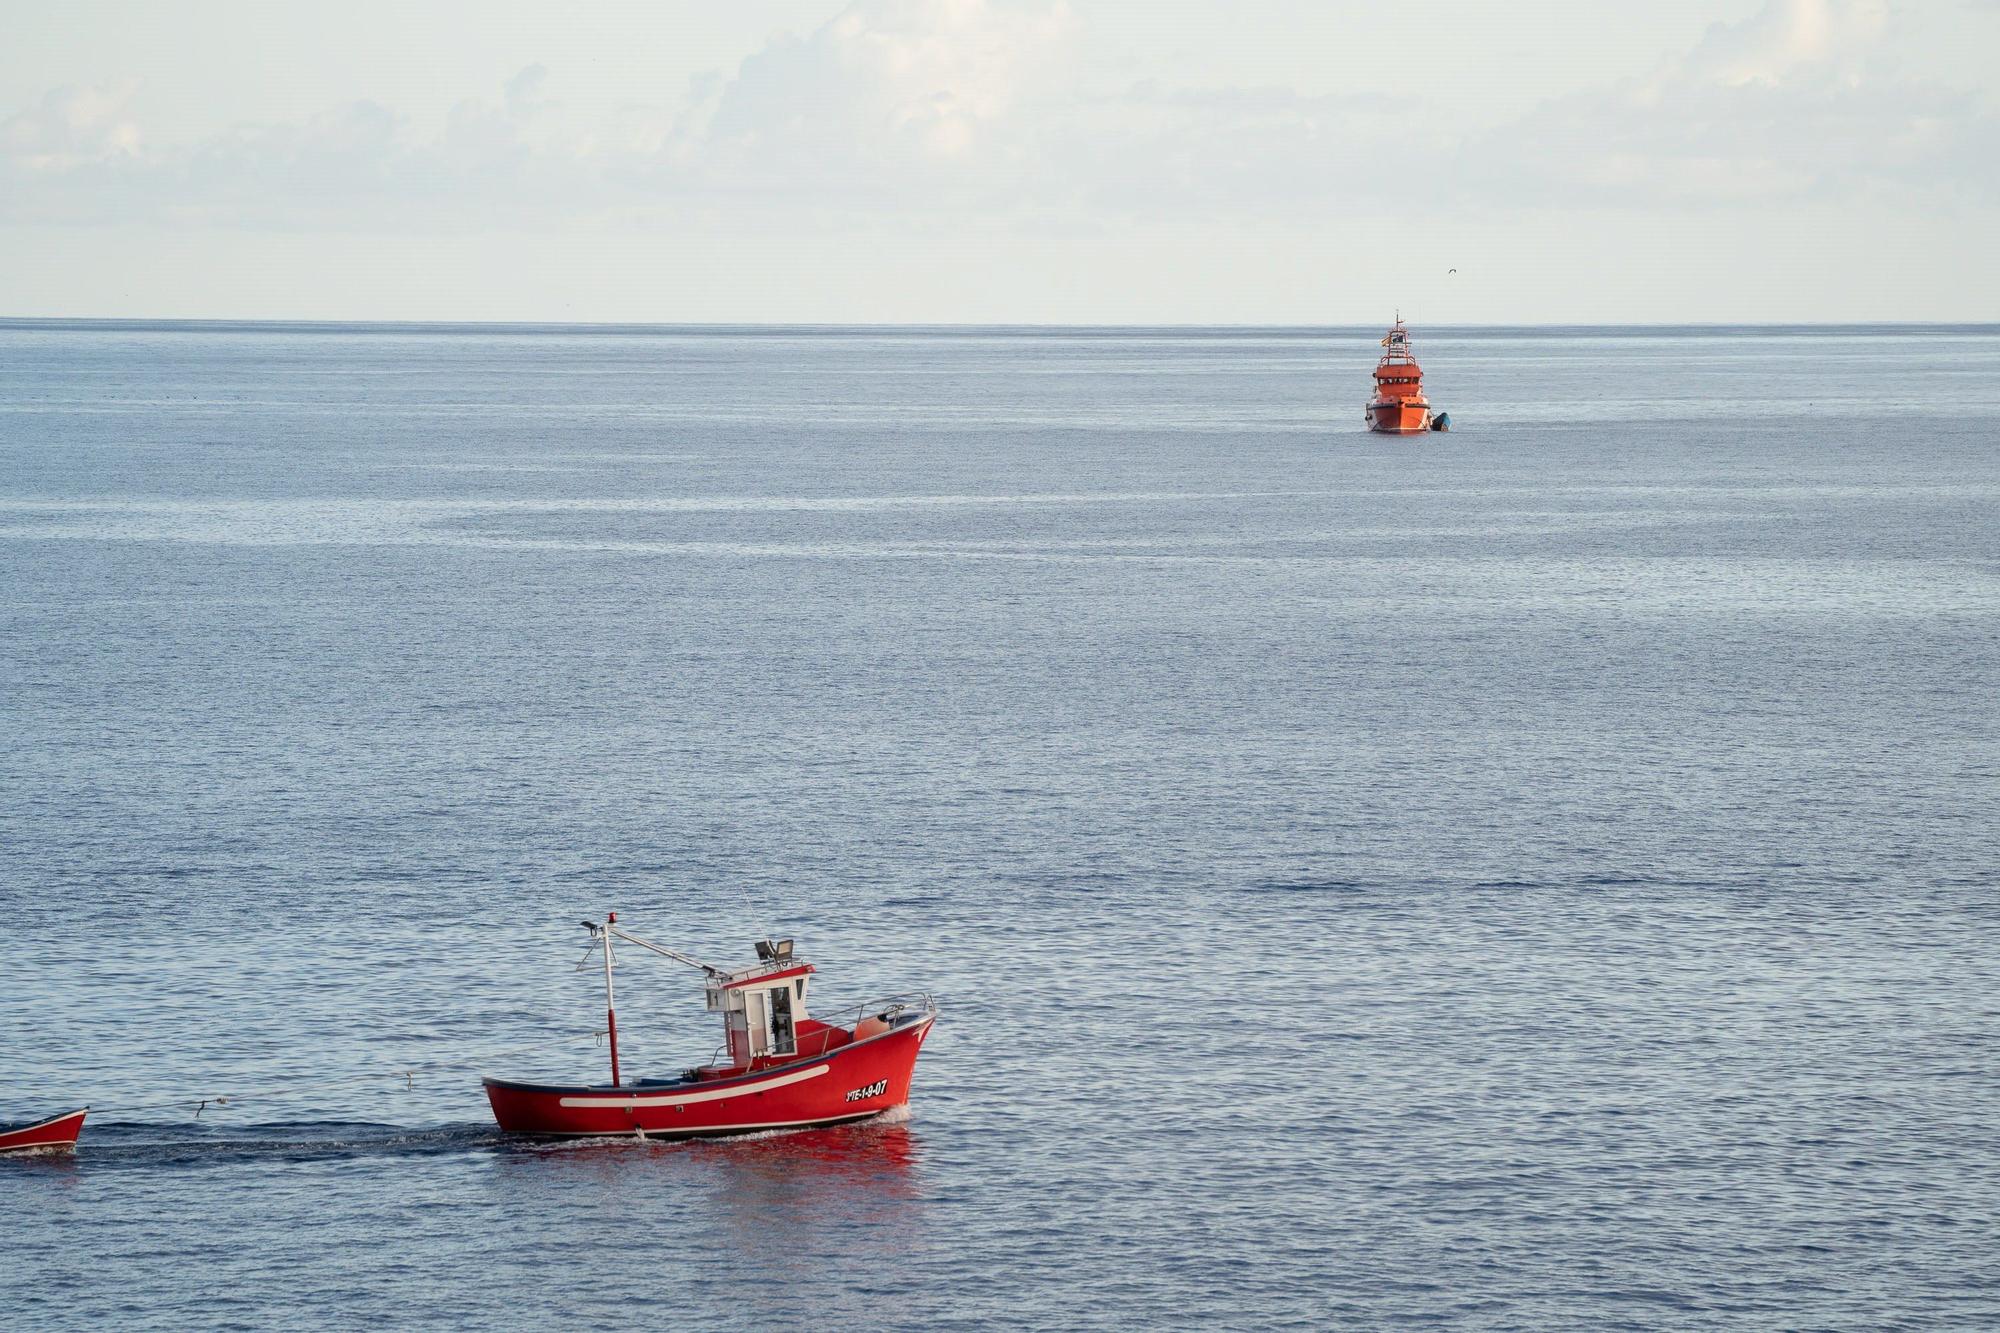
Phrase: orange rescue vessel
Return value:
(1399, 406)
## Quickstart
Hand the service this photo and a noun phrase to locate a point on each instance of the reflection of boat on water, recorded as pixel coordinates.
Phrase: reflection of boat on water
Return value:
(845, 1194)
(880, 1150)
(782, 1069)
(880, 1154)
(1399, 406)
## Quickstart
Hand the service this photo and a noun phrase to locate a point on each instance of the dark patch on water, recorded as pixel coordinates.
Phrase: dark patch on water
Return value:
(1312, 886)
(149, 1145)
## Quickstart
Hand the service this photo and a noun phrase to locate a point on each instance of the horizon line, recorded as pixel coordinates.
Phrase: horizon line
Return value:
(227, 323)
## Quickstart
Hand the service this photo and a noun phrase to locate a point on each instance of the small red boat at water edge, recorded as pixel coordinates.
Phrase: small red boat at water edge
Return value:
(779, 1069)
(1399, 406)
(56, 1134)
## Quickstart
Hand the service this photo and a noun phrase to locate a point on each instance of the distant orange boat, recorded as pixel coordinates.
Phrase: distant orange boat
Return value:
(1399, 406)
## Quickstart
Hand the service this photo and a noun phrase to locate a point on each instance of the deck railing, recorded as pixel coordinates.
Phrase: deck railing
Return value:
(819, 1043)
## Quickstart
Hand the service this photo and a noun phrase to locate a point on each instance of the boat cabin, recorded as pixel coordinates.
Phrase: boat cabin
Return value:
(763, 1005)
(764, 1018)
(1397, 374)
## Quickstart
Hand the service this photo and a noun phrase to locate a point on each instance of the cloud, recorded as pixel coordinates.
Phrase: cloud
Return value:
(523, 92)
(889, 102)
(930, 80)
(1785, 39)
(1795, 102)
(976, 112)
(73, 127)
(972, 108)
(81, 157)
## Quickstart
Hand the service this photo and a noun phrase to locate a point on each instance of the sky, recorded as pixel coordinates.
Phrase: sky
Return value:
(1002, 161)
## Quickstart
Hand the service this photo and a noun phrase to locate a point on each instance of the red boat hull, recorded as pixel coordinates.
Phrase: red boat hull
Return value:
(57, 1134)
(852, 1082)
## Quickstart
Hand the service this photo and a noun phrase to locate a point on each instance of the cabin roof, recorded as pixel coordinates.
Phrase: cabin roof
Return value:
(764, 973)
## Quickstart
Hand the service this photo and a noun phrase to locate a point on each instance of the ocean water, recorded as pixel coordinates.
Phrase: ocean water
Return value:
(1544, 875)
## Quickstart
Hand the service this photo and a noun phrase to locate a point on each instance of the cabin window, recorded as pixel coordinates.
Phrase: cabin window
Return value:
(781, 1021)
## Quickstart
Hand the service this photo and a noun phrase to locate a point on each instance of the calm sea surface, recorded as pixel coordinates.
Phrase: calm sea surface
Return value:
(1542, 875)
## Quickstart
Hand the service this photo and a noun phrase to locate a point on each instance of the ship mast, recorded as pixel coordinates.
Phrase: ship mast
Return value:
(602, 934)
(1396, 345)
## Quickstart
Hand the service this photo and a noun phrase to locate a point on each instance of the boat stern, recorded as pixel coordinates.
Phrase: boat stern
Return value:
(56, 1134)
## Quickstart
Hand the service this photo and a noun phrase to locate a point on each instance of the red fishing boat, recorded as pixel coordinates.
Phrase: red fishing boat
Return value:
(1399, 406)
(56, 1134)
(777, 1069)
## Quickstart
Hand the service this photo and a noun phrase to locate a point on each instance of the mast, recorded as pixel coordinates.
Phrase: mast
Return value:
(610, 1005)
(602, 934)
